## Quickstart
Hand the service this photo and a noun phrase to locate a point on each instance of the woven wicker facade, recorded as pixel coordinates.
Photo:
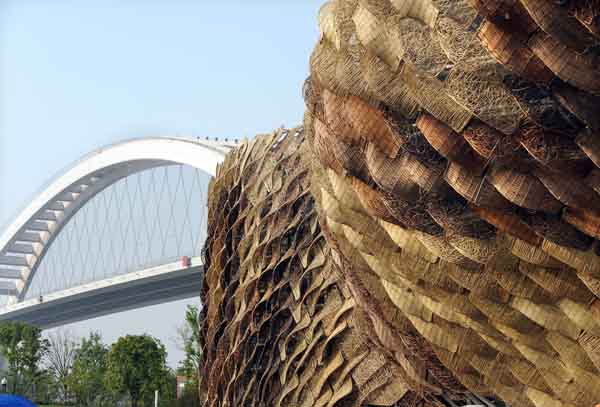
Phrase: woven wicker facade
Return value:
(279, 326)
(441, 206)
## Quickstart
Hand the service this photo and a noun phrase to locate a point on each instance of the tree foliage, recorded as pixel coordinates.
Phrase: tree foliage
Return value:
(189, 342)
(23, 347)
(189, 336)
(136, 364)
(86, 381)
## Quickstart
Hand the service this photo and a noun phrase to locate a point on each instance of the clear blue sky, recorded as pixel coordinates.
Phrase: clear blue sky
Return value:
(75, 75)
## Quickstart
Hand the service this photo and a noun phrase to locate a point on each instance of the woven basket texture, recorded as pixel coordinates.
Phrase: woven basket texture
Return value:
(430, 235)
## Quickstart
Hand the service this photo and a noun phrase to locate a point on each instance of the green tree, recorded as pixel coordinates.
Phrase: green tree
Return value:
(23, 347)
(46, 388)
(188, 341)
(86, 381)
(136, 364)
(167, 390)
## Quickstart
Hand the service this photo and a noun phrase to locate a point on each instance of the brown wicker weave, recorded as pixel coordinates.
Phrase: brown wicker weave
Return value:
(280, 326)
(432, 234)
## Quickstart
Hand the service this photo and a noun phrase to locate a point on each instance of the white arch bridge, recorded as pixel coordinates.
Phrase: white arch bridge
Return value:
(120, 229)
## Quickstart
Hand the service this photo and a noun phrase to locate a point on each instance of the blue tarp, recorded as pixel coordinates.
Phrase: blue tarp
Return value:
(14, 401)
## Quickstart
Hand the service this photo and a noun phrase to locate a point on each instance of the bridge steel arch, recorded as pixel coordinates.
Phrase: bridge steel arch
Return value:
(26, 240)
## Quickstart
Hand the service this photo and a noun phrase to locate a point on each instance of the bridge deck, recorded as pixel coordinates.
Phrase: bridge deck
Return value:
(160, 284)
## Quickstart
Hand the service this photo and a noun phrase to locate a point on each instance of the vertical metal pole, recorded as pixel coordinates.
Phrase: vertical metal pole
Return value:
(155, 398)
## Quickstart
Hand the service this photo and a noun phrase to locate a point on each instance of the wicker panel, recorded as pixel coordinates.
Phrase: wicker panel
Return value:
(450, 144)
(588, 221)
(587, 12)
(551, 149)
(593, 180)
(584, 106)
(510, 223)
(481, 89)
(491, 144)
(574, 68)
(475, 189)
(590, 145)
(510, 50)
(555, 21)
(508, 12)
(351, 119)
(524, 190)
(567, 190)
(430, 94)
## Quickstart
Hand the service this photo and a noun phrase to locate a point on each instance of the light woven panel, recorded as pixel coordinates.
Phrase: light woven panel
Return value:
(455, 154)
